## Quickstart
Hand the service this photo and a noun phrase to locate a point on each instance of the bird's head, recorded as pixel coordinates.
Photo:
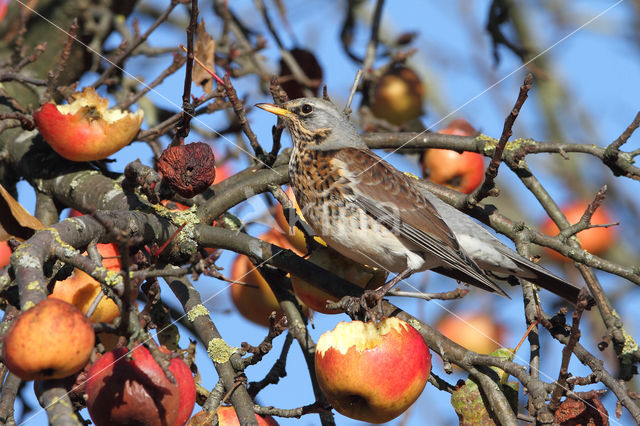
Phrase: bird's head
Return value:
(316, 124)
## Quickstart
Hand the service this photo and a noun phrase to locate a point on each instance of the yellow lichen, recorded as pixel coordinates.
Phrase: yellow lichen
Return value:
(197, 311)
(219, 351)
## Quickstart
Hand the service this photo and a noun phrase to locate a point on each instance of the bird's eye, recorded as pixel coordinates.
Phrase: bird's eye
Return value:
(306, 109)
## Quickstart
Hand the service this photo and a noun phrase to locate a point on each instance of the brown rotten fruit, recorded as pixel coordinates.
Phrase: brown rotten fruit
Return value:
(311, 68)
(52, 340)
(188, 169)
(372, 372)
(123, 391)
(85, 129)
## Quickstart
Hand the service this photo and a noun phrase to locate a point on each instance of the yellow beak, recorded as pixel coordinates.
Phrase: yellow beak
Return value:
(275, 110)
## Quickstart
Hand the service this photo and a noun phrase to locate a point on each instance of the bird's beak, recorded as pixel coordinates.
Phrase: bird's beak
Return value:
(275, 110)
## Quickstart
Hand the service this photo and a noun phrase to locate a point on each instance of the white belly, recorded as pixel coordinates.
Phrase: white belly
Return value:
(368, 242)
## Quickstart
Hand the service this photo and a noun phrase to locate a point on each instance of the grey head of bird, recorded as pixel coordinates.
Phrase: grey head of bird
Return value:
(316, 124)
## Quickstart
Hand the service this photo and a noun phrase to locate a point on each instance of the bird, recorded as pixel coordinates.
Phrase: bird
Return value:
(371, 212)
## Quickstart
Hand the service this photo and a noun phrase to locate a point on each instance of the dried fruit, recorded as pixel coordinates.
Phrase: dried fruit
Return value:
(188, 169)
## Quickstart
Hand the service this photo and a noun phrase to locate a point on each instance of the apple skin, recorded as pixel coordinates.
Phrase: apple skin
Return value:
(477, 332)
(135, 391)
(462, 171)
(594, 240)
(398, 96)
(226, 417)
(372, 372)
(85, 129)
(52, 340)
(256, 304)
(5, 254)
(363, 276)
(80, 289)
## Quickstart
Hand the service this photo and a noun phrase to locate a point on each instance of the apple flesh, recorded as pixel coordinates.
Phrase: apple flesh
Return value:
(85, 129)
(122, 391)
(372, 372)
(52, 340)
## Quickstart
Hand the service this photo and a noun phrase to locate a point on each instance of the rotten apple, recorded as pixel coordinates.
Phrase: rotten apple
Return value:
(125, 389)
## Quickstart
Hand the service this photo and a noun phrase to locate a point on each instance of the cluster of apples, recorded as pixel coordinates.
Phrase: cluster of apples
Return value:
(121, 388)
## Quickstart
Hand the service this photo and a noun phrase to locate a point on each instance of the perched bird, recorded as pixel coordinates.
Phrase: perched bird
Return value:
(374, 214)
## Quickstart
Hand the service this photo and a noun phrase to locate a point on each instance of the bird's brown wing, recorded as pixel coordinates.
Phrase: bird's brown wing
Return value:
(392, 199)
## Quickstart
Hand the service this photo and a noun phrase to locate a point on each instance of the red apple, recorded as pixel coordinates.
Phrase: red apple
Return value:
(226, 417)
(5, 254)
(593, 240)
(398, 96)
(463, 171)
(85, 130)
(372, 372)
(360, 275)
(477, 332)
(124, 391)
(49, 341)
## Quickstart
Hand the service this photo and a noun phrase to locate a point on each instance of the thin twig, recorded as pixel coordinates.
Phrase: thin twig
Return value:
(492, 170)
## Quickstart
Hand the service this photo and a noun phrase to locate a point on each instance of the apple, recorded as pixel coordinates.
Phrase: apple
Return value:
(85, 130)
(134, 390)
(398, 96)
(477, 332)
(81, 289)
(594, 240)
(363, 276)
(52, 340)
(462, 171)
(256, 304)
(226, 417)
(372, 372)
(5, 254)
